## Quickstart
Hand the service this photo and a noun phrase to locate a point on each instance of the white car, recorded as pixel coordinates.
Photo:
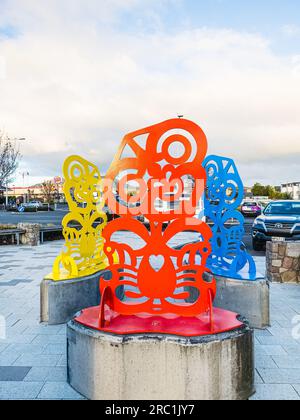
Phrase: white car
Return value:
(32, 206)
(36, 204)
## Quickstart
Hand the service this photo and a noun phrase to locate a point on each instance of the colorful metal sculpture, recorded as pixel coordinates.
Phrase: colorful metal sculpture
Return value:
(163, 289)
(224, 194)
(83, 253)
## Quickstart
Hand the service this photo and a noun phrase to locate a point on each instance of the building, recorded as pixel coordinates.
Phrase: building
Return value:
(248, 192)
(34, 192)
(292, 188)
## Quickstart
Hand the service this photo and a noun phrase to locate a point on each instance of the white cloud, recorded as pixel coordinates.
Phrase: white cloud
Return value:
(2, 68)
(291, 30)
(76, 84)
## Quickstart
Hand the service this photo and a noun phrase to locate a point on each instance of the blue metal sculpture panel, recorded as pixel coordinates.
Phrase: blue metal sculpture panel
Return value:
(224, 194)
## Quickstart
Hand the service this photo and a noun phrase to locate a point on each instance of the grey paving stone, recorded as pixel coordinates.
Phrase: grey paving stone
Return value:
(63, 330)
(15, 282)
(12, 320)
(280, 332)
(278, 317)
(276, 341)
(40, 361)
(264, 361)
(43, 330)
(262, 333)
(280, 376)
(62, 361)
(49, 339)
(58, 390)
(292, 350)
(258, 379)
(33, 349)
(275, 393)
(60, 349)
(259, 350)
(9, 267)
(13, 373)
(20, 390)
(20, 338)
(285, 324)
(297, 388)
(3, 346)
(273, 350)
(42, 374)
(8, 359)
(287, 362)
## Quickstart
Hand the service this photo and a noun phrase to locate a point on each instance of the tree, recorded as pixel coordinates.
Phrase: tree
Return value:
(49, 191)
(30, 194)
(259, 190)
(9, 159)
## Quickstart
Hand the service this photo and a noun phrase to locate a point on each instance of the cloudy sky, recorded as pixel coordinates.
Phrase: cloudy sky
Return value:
(76, 75)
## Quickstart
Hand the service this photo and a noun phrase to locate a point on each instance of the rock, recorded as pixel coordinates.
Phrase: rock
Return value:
(31, 236)
(281, 250)
(276, 278)
(283, 261)
(290, 277)
(293, 250)
(277, 263)
(274, 247)
(296, 264)
(288, 263)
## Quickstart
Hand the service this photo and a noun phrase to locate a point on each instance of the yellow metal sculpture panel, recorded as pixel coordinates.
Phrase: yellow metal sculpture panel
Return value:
(82, 228)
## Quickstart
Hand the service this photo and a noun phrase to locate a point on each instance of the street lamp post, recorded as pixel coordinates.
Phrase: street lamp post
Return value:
(6, 199)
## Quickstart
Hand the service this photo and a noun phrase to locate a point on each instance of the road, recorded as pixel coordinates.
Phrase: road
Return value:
(248, 239)
(43, 218)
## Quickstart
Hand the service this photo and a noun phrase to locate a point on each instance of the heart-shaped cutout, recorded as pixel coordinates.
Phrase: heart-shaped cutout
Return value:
(157, 262)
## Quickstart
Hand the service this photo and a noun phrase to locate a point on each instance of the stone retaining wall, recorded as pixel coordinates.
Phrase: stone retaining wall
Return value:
(283, 262)
(32, 234)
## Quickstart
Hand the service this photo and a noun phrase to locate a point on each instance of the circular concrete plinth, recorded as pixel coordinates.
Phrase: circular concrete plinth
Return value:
(158, 367)
(61, 300)
(250, 299)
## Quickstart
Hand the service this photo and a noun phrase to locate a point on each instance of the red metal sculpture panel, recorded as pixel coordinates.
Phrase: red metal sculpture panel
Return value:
(155, 170)
(154, 286)
(166, 287)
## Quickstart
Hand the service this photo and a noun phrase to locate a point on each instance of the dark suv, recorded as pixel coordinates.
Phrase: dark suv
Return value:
(279, 219)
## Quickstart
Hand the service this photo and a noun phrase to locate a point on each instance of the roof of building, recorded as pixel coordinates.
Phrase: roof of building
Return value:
(2, 188)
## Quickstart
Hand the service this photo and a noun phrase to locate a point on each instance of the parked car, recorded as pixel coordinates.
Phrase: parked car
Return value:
(12, 208)
(27, 207)
(280, 219)
(46, 207)
(34, 206)
(251, 208)
(37, 204)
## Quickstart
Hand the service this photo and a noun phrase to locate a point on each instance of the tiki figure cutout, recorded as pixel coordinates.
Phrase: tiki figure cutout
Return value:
(83, 253)
(224, 194)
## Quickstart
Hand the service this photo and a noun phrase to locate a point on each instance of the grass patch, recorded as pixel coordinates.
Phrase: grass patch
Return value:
(7, 227)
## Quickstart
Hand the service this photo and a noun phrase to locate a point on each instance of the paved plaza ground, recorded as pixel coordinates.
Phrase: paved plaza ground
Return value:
(33, 356)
